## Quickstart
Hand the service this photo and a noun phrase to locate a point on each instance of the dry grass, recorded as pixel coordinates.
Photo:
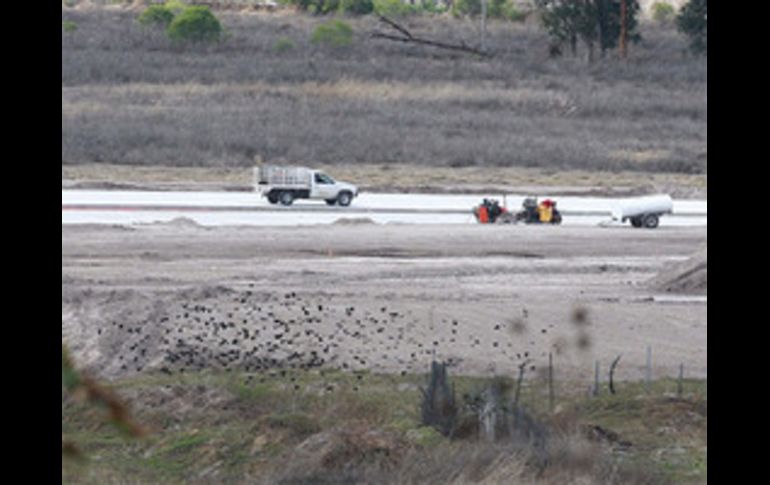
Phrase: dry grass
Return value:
(129, 97)
(255, 428)
(399, 177)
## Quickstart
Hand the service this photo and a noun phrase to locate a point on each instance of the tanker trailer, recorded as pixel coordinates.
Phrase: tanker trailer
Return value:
(643, 211)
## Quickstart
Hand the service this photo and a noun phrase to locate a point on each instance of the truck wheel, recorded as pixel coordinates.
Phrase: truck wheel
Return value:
(331, 201)
(344, 199)
(272, 198)
(286, 198)
(636, 221)
(650, 221)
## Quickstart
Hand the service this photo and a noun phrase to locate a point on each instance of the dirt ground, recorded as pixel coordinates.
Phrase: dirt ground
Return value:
(177, 297)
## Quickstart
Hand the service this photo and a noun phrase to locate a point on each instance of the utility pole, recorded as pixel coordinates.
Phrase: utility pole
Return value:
(623, 28)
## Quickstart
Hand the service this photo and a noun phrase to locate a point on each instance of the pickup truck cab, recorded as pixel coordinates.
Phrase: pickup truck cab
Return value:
(281, 184)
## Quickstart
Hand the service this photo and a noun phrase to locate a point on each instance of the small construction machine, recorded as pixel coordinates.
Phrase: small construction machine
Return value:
(491, 212)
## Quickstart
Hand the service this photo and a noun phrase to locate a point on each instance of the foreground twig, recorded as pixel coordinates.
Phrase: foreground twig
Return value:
(407, 36)
(612, 373)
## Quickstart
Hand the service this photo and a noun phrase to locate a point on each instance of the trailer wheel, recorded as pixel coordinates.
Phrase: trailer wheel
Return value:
(344, 199)
(331, 201)
(286, 198)
(650, 221)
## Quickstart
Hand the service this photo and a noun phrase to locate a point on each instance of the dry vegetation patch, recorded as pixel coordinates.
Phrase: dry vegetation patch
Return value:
(130, 97)
(635, 436)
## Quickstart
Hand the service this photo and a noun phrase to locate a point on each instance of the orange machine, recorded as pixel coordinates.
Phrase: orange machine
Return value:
(490, 212)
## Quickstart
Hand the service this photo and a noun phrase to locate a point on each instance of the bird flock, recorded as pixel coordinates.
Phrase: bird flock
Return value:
(256, 331)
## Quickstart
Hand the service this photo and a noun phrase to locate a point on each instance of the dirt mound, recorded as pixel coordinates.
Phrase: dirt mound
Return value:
(352, 445)
(180, 222)
(353, 221)
(686, 277)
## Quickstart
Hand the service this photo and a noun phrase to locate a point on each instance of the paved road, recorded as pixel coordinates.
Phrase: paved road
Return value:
(245, 208)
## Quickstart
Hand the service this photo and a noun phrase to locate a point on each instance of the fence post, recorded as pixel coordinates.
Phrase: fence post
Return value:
(679, 383)
(550, 382)
(489, 412)
(596, 378)
(648, 373)
(517, 393)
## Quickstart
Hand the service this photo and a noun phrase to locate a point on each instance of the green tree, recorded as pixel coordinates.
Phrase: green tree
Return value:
(692, 22)
(595, 22)
(566, 21)
(195, 24)
(608, 21)
(663, 12)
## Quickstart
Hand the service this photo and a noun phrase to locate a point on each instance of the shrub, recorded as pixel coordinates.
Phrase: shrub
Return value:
(176, 6)
(508, 11)
(335, 33)
(356, 7)
(395, 8)
(662, 12)
(433, 6)
(156, 15)
(284, 44)
(195, 24)
(325, 6)
(352, 7)
(313, 6)
(499, 9)
(69, 26)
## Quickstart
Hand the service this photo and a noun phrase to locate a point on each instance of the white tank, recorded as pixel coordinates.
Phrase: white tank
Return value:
(650, 204)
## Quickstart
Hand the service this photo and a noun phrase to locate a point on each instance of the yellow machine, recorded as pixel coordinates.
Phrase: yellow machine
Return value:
(545, 212)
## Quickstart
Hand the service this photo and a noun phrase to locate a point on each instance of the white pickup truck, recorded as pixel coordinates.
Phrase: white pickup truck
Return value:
(285, 184)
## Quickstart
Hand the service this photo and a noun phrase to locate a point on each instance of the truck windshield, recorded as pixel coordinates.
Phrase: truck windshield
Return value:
(321, 178)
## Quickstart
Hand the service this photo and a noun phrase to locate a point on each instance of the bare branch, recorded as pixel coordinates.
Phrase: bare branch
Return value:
(395, 26)
(407, 36)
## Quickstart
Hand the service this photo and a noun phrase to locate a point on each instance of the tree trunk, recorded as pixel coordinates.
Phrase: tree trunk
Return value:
(590, 54)
(483, 25)
(623, 29)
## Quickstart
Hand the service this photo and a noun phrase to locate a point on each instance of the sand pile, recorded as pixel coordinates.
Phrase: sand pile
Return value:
(685, 277)
(180, 222)
(353, 221)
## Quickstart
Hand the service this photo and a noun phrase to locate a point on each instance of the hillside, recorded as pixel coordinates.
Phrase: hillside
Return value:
(268, 93)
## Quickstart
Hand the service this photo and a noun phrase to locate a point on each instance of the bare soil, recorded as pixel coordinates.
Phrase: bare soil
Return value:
(179, 297)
